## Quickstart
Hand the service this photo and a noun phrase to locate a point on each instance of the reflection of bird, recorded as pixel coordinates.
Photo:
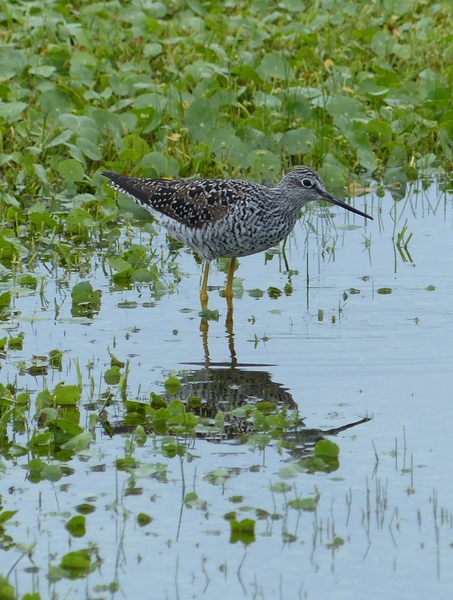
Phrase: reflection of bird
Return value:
(302, 441)
(222, 218)
(215, 390)
(223, 388)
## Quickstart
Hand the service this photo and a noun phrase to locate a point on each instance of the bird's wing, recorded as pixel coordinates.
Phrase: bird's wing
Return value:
(194, 203)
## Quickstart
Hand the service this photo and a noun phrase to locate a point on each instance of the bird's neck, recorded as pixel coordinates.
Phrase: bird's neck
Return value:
(283, 200)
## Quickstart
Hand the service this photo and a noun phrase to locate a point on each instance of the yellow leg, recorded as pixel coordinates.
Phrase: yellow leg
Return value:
(204, 287)
(229, 285)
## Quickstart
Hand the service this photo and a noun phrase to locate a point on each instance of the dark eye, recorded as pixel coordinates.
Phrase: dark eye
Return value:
(307, 182)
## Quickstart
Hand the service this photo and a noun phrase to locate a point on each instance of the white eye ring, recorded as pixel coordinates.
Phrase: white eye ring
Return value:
(307, 183)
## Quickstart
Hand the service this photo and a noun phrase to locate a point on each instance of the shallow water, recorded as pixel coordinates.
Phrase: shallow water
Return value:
(365, 331)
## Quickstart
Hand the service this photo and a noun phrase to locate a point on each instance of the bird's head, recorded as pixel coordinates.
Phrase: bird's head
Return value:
(307, 185)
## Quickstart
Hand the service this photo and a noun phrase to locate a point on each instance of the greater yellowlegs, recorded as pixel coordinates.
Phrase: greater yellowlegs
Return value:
(227, 218)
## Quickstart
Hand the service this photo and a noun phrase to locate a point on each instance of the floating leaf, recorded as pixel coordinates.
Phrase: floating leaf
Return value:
(275, 66)
(71, 170)
(122, 267)
(200, 117)
(298, 141)
(345, 108)
(78, 562)
(172, 385)
(327, 449)
(83, 293)
(54, 101)
(155, 164)
(12, 111)
(263, 163)
(66, 394)
(143, 519)
(7, 592)
(5, 300)
(319, 464)
(126, 463)
(76, 526)
(160, 419)
(79, 442)
(112, 376)
(89, 149)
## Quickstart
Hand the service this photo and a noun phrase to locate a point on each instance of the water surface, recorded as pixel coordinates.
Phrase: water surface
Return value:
(362, 328)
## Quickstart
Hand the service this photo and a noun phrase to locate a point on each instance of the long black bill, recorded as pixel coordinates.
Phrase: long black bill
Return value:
(338, 202)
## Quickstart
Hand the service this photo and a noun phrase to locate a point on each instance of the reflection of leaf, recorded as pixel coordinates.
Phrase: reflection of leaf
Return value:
(266, 407)
(149, 470)
(192, 500)
(16, 343)
(307, 504)
(337, 543)
(256, 293)
(258, 440)
(289, 471)
(217, 476)
(242, 531)
(55, 359)
(280, 487)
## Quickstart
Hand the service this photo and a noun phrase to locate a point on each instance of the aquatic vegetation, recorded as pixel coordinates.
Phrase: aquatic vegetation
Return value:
(115, 459)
